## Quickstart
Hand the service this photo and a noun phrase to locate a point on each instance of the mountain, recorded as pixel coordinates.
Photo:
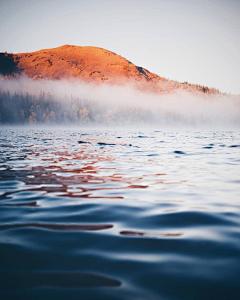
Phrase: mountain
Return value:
(91, 65)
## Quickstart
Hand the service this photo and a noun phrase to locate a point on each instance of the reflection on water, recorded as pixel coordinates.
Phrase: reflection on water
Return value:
(119, 215)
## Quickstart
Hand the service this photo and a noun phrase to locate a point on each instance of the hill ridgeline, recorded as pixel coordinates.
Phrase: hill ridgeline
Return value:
(90, 65)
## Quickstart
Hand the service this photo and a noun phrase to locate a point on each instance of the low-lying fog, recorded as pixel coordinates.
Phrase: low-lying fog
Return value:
(24, 101)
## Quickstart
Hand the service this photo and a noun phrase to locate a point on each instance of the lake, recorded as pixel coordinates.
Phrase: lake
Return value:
(119, 214)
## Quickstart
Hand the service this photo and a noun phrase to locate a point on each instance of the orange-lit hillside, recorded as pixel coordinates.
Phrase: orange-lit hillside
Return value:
(91, 65)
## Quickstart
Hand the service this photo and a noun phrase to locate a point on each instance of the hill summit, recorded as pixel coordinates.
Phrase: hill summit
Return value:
(91, 65)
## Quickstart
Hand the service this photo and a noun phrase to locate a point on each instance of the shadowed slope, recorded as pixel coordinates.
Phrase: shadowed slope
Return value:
(90, 64)
(8, 66)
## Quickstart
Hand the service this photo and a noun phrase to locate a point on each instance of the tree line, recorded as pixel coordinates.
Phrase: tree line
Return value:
(20, 108)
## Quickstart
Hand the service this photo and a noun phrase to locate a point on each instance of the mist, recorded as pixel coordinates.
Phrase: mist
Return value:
(78, 103)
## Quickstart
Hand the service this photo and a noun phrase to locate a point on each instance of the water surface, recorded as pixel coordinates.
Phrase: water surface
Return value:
(105, 214)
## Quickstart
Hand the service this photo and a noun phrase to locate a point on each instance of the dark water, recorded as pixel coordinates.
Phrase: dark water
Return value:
(119, 214)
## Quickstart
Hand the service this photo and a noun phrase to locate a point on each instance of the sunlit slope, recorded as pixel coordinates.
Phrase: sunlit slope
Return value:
(91, 65)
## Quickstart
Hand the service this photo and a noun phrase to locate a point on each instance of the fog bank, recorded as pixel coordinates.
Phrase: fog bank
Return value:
(73, 101)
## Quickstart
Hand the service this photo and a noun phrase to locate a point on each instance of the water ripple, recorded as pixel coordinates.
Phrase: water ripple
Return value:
(104, 214)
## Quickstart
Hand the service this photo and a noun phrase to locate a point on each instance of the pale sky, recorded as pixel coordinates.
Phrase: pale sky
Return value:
(184, 40)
